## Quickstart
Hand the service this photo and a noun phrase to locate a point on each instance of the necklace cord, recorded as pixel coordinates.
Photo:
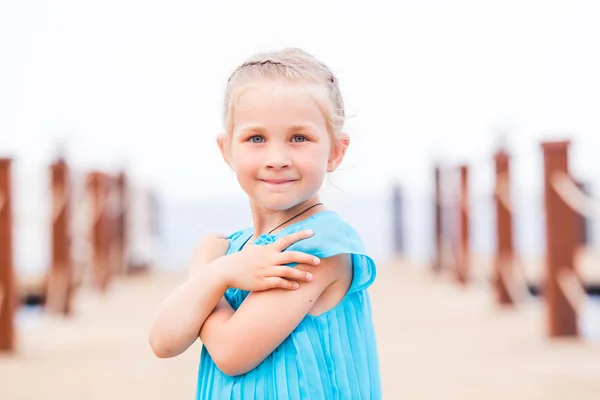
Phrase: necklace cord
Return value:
(296, 216)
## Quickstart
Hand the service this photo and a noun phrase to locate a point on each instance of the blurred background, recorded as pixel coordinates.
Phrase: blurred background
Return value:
(109, 114)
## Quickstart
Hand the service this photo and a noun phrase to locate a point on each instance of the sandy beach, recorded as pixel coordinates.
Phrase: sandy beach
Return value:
(436, 340)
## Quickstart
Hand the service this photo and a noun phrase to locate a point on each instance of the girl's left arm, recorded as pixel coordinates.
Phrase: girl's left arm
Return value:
(239, 341)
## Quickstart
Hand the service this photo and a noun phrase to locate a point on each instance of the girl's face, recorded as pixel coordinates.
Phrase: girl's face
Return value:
(280, 148)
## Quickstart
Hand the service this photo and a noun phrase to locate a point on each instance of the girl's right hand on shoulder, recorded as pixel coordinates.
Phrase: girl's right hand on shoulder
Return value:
(262, 267)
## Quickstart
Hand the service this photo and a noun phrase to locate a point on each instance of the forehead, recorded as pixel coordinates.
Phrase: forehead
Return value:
(273, 104)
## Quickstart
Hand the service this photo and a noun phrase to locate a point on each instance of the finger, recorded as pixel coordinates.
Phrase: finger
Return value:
(276, 282)
(288, 273)
(288, 257)
(288, 240)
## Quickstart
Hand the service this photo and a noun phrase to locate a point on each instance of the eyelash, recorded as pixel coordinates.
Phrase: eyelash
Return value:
(305, 139)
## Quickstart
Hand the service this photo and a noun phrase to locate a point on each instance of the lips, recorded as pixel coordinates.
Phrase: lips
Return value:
(278, 181)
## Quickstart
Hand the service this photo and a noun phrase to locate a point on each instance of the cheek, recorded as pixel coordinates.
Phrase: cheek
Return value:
(244, 161)
(317, 160)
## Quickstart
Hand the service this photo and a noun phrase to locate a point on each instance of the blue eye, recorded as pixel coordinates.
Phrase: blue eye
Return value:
(299, 138)
(255, 139)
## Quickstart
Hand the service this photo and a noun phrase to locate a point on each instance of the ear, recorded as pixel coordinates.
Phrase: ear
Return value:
(225, 148)
(338, 151)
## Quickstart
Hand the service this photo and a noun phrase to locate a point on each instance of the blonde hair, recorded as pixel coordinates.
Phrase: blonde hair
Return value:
(296, 66)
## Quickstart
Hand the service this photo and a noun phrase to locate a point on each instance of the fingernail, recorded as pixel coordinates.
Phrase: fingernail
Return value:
(308, 231)
(316, 260)
(295, 285)
(309, 276)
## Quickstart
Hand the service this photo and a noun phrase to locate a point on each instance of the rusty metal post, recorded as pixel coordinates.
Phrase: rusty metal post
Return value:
(462, 266)
(7, 281)
(98, 187)
(60, 275)
(504, 234)
(437, 262)
(112, 224)
(561, 241)
(121, 232)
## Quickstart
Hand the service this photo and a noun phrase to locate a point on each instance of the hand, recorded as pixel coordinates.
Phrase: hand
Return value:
(210, 247)
(262, 267)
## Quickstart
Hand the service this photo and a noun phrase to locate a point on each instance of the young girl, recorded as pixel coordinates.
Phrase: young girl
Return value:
(281, 308)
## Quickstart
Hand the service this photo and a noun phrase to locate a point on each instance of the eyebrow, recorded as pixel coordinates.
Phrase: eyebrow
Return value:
(302, 128)
(260, 130)
(251, 129)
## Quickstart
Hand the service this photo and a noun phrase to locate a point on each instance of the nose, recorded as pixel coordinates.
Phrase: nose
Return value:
(277, 158)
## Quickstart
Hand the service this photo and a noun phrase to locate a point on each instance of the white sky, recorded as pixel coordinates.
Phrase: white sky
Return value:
(142, 82)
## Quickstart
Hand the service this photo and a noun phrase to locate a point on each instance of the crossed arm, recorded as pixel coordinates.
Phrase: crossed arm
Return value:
(239, 341)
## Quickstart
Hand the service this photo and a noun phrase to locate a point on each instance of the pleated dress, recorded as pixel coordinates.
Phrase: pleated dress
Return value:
(330, 356)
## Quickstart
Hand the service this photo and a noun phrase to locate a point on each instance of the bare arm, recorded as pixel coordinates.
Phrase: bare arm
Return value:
(177, 322)
(180, 317)
(239, 341)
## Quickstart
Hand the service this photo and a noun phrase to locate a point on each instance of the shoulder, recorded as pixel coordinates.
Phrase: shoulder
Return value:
(237, 234)
(237, 239)
(332, 235)
(337, 240)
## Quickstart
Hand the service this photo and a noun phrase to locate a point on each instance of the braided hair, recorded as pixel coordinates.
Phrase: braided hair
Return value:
(294, 65)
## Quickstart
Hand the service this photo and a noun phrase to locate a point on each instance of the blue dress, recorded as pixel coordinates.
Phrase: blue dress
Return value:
(330, 356)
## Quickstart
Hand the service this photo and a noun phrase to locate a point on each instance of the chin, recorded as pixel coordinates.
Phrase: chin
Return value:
(280, 203)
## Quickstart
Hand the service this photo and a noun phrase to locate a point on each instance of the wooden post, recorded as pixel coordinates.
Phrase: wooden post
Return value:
(504, 234)
(437, 263)
(462, 267)
(60, 275)
(561, 239)
(7, 281)
(97, 184)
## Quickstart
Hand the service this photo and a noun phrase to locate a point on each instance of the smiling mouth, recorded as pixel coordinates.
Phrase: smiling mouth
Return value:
(278, 181)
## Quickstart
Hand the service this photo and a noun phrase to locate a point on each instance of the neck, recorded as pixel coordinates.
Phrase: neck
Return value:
(265, 220)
